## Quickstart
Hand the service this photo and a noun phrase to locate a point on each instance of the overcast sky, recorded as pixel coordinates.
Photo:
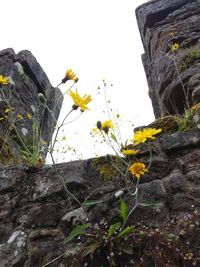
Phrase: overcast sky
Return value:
(99, 39)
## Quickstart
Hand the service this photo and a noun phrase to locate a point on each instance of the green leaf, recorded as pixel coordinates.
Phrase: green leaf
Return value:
(123, 209)
(113, 138)
(125, 248)
(78, 230)
(90, 249)
(125, 232)
(150, 203)
(91, 202)
(113, 228)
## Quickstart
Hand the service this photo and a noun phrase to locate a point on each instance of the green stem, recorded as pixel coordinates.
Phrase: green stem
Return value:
(69, 194)
(58, 129)
(15, 128)
(181, 82)
(134, 207)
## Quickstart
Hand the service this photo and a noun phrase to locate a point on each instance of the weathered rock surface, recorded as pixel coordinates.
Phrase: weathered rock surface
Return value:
(36, 216)
(36, 213)
(171, 91)
(20, 97)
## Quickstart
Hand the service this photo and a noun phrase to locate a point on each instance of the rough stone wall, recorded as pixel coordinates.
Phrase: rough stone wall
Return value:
(156, 20)
(26, 80)
(35, 215)
(35, 212)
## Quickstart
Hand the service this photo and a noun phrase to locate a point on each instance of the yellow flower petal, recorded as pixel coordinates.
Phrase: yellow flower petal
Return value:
(142, 135)
(19, 116)
(174, 47)
(4, 80)
(70, 75)
(138, 169)
(28, 115)
(79, 101)
(128, 152)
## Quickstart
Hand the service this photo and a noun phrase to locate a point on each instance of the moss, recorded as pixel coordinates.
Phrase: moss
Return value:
(24, 77)
(168, 124)
(189, 57)
(173, 123)
(9, 152)
(108, 166)
(187, 121)
(195, 110)
(6, 156)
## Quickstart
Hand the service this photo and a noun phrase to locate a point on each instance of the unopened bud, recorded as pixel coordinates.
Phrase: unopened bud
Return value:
(41, 98)
(99, 125)
(75, 107)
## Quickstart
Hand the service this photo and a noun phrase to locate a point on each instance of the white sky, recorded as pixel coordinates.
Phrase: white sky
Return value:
(99, 39)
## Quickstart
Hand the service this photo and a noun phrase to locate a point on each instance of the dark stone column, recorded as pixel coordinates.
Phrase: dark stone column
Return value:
(173, 77)
(26, 119)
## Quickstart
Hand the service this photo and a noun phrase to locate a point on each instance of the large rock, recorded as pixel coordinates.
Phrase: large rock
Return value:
(171, 90)
(35, 127)
(36, 214)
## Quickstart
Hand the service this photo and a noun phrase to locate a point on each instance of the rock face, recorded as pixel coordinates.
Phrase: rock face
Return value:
(35, 215)
(39, 207)
(173, 77)
(25, 121)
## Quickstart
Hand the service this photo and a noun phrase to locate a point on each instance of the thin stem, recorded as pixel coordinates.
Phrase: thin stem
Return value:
(58, 129)
(69, 194)
(181, 82)
(179, 76)
(150, 156)
(55, 259)
(59, 84)
(73, 119)
(67, 89)
(116, 152)
(115, 166)
(105, 96)
(134, 207)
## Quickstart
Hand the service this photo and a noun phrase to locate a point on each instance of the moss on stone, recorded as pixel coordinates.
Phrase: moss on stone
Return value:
(168, 124)
(108, 166)
(173, 123)
(189, 57)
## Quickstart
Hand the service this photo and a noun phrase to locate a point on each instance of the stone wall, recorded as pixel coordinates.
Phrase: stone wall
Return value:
(157, 21)
(23, 119)
(36, 216)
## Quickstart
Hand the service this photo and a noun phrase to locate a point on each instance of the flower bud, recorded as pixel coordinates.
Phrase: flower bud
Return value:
(74, 107)
(41, 98)
(99, 125)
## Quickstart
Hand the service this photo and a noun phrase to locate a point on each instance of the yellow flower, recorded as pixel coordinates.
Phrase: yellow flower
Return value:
(106, 125)
(95, 131)
(171, 34)
(138, 169)
(4, 80)
(174, 47)
(103, 126)
(43, 142)
(189, 256)
(128, 152)
(28, 115)
(19, 116)
(70, 75)
(7, 110)
(143, 135)
(40, 162)
(80, 102)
